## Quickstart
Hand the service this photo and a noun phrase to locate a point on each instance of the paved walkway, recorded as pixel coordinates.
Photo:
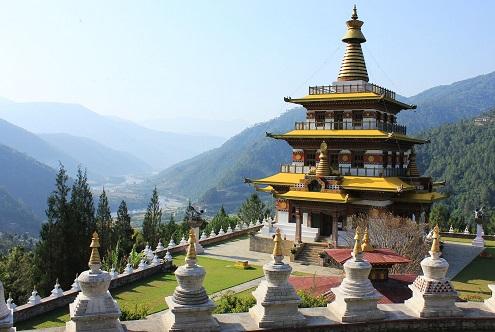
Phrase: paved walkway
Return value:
(239, 250)
(459, 255)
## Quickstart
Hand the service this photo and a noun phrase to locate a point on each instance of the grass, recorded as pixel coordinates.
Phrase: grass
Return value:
(220, 274)
(472, 282)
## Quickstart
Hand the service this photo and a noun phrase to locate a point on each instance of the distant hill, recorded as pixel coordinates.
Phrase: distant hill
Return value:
(26, 180)
(450, 103)
(159, 149)
(215, 177)
(463, 154)
(15, 217)
(97, 157)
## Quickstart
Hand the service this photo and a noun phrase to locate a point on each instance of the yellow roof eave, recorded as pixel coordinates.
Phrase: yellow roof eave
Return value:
(315, 196)
(428, 197)
(351, 133)
(389, 184)
(346, 97)
(280, 179)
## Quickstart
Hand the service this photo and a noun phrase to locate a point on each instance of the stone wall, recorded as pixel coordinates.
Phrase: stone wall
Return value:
(265, 244)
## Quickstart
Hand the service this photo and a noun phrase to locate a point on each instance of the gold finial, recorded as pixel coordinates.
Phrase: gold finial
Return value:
(323, 168)
(94, 259)
(366, 245)
(277, 249)
(354, 13)
(357, 243)
(191, 250)
(435, 245)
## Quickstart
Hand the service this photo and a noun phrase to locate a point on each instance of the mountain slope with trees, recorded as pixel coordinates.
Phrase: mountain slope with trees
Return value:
(16, 217)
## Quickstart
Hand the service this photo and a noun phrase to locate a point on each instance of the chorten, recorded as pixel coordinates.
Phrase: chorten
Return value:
(6, 313)
(190, 308)
(276, 300)
(356, 299)
(433, 294)
(94, 309)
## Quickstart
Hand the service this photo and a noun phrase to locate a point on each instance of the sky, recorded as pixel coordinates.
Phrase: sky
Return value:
(228, 61)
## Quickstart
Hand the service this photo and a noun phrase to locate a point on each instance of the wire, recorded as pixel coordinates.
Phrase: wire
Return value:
(368, 50)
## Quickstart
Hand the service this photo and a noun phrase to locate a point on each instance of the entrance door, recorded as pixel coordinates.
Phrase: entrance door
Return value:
(325, 225)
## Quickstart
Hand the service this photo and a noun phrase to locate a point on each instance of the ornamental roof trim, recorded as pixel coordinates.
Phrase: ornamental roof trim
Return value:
(352, 133)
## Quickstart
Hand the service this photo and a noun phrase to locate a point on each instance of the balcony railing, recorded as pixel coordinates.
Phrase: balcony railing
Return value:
(351, 125)
(349, 88)
(346, 170)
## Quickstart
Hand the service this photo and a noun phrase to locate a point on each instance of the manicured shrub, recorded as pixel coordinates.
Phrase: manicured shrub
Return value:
(134, 313)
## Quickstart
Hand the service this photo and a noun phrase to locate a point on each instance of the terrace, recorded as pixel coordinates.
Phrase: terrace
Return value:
(351, 88)
(351, 125)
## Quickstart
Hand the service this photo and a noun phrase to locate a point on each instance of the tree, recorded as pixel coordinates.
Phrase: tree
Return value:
(123, 230)
(152, 220)
(50, 252)
(168, 230)
(17, 273)
(253, 209)
(439, 215)
(104, 225)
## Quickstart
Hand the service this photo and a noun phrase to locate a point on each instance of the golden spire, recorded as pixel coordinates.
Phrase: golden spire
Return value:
(323, 168)
(353, 65)
(277, 248)
(191, 250)
(366, 245)
(94, 260)
(357, 244)
(435, 245)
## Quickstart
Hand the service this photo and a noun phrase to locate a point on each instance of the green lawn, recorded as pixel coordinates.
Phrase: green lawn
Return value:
(472, 282)
(220, 274)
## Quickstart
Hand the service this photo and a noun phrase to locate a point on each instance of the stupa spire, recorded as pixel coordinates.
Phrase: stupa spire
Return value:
(435, 245)
(323, 168)
(353, 65)
(366, 245)
(356, 252)
(94, 260)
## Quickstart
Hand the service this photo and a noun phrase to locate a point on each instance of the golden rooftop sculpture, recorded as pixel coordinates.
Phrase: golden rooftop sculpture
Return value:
(323, 168)
(435, 245)
(353, 65)
(191, 250)
(95, 260)
(277, 249)
(366, 244)
(357, 242)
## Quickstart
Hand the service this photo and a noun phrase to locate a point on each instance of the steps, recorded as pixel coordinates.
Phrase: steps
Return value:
(310, 253)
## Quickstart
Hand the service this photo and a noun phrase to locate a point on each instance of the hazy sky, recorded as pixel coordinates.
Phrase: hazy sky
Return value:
(228, 59)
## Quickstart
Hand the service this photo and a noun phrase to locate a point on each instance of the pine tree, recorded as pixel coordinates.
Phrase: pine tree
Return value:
(152, 220)
(50, 252)
(104, 224)
(253, 209)
(123, 231)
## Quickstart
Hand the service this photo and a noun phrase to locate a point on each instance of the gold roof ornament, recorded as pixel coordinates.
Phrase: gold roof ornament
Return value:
(366, 245)
(277, 248)
(94, 260)
(353, 65)
(323, 169)
(435, 245)
(357, 242)
(191, 250)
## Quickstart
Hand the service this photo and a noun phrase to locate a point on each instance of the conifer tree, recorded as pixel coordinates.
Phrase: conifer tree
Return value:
(253, 209)
(104, 224)
(152, 220)
(123, 230)
(50, 252)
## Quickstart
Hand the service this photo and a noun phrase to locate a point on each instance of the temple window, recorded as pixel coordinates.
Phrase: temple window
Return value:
(394, 159)
(320, 119)
(334, 159)
(338, 119)
(358, 159)
(310, 158)
(385, 159)
(357, 118)
(314, 186)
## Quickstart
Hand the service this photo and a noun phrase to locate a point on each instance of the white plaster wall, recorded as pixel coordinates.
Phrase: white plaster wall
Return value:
(283, 217)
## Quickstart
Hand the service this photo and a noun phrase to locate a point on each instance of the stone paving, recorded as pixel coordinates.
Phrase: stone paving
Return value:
(459, 255)
(239, 250)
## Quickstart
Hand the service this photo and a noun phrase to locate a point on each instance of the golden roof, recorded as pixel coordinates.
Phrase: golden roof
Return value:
(266, 189)
(427, 197)
(354, 133)
(353, 65)
(281, 179)
(332, 197)
(391, 184)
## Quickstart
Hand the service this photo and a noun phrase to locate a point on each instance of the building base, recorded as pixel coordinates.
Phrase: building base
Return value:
(189, 318)
(276, 307)
(350, 309)
(433, 305)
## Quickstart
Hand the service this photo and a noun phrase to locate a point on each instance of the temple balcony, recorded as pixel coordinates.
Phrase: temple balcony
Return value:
(294, 169)
(351, 125)
(350, 171)
(351, 88)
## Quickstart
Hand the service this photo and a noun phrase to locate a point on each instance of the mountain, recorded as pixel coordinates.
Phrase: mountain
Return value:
(15, 217)
(97, 157)
(157, 148)
(216, 177)
(26, 142)
(450, 103)
(26, 180)
(463, 155)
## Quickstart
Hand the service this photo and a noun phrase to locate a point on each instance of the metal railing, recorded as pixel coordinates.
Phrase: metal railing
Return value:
(349, 88)
(346, 170)
(351, 125)
(294, 169)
